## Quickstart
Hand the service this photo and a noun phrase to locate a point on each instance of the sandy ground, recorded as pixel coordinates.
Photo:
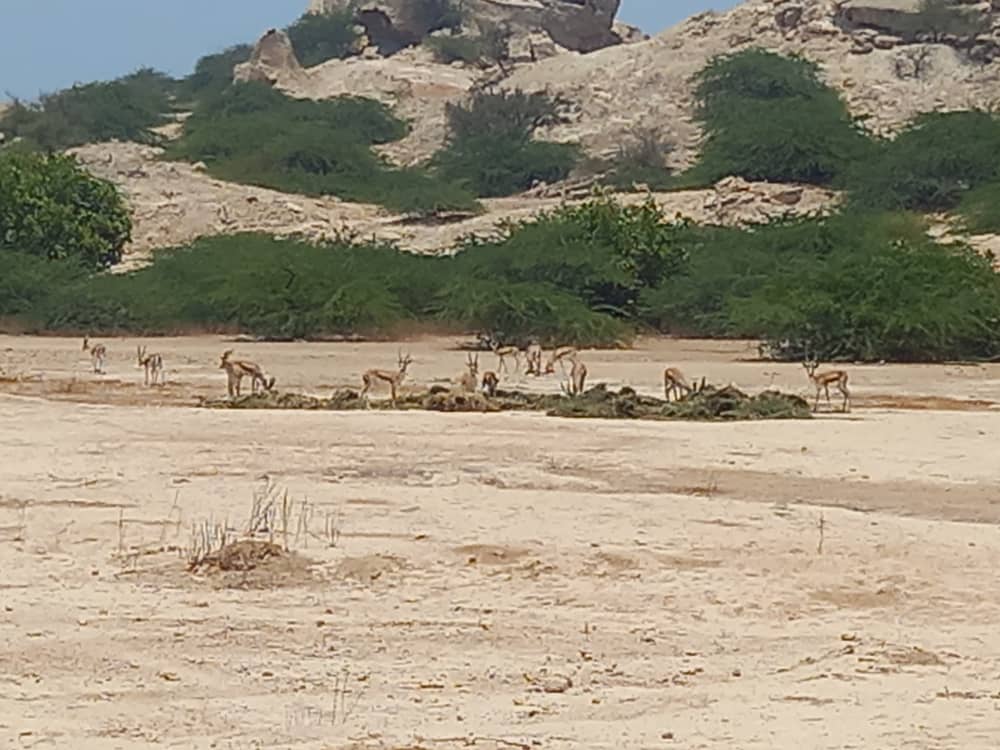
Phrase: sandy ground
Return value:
(496, 581)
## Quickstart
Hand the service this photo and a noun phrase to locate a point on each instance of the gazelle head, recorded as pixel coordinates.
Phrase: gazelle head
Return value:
(225, 359)
(269, 384)
(140, 355)
(86, 343)
(472, 362)
(810, 366)
(404, 362)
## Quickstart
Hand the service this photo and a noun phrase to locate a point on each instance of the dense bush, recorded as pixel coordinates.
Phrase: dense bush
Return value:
(124, 109)
(854, 286)
(50, 207)
(980, 209)
(642, 160)
(768, 117)
(253, 134)
(489, 48)
(318, 37)
(448, 49)
(214, 73)
(931, 164)
(491, 147)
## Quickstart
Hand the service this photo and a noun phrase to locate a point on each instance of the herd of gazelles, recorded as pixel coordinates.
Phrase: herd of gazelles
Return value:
(675, 385)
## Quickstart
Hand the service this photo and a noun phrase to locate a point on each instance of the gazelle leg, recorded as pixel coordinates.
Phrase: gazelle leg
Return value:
(827, 388)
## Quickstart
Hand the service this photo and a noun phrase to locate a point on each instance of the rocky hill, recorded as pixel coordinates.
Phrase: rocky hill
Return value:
(874, 52)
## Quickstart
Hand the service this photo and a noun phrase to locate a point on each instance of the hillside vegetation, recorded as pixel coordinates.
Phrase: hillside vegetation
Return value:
(866, 283)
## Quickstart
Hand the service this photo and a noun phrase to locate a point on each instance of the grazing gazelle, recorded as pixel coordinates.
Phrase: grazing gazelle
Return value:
(674, 383)
(533, 359)
(152, 363)
(577, 378)
(98, 353)
(469, 379)
(490, 383)
(503, 352)
(237, 369)
(560, 355)
(394, 379)
(824, 380)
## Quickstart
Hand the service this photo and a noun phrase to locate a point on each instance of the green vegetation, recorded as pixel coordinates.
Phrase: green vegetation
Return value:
(491, 148)
(980, 209)
(214, 73)
(853, 286)
(50, 207)
(707, 404)
(124, 109)
(642, 161)
(931, 164)
(490, 48)
(253, 134)
(318, 37)
(449, 49)
(768, 117)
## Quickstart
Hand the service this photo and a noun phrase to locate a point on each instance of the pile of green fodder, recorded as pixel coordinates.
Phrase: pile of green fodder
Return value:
(707, 404)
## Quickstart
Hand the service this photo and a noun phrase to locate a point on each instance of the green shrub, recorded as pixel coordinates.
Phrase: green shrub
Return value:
(449, 49)
(980, 209)
(253, 134)
(50, 207)
(897, 301)
(214, 73)
(491, 149)
(124, 109)
(642, 161)
(768, 117)
(318, 37)
(27, 281)
(931, 164)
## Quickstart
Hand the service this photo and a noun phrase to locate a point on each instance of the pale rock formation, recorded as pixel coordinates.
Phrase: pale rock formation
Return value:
(575, 25)
(273, 61)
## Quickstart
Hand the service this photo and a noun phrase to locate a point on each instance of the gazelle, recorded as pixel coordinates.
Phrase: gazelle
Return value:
(560, 355)
(577, 378)
(533, 359)
(394, 379)
(152, 363)
(237, 369)
(674, 383)
(98, 353)
(490, 383)
(503, 352)
(824, 380)
(470, 378)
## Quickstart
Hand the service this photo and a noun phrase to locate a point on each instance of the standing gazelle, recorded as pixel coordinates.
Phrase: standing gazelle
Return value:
(560, 355)
(470, 377)
(674, 383)
(577, 377)
(503, 352)
(533, 359)
(824, 380)
(98, 353)
(237, 369)
(152, 363)
(394, 379)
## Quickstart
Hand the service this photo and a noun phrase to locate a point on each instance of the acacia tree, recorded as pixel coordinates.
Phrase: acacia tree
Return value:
(51, 207)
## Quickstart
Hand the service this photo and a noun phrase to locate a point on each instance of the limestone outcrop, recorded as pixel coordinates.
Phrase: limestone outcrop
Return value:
(578, 25)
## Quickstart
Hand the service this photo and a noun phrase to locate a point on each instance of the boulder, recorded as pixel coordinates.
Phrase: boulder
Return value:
(575, 25)
(273, 60)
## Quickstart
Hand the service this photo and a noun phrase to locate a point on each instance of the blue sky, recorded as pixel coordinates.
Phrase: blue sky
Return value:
(51, 44)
